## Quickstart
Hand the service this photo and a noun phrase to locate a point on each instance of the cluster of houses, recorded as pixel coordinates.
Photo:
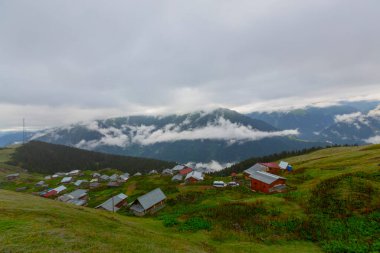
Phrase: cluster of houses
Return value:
(148, 203)
(182, 173)
(265, 177)
(79, 196)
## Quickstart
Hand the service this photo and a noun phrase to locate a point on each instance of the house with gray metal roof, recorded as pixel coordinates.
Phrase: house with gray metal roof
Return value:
(193, 177)
(266, 182)
(178, 177)
(79, 194)
(149, 203)
(114, 177)
(79, 182)
(124, 177)
(104, 178)
(114, 204)
(13, 176)
(66, 180)
(254, 168)
(167, 172)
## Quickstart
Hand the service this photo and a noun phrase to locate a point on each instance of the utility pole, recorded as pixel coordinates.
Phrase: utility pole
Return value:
(23, 130)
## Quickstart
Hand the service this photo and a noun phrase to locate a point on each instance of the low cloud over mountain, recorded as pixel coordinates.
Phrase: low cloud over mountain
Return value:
(220, 129)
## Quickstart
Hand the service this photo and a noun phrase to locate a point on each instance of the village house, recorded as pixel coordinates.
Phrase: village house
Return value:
(96, 175)
(272, 168)
(94, 185)
(77, 197)
(66, 180)
(48, 178)
(137, 174)
(193, 177)
(115, 203)
(177, 168)
(124, 177)
(114, 177)
(74, 173)
(148, 203)
(257, 167)
(79, 182)
(14, 176)
(104, 178)
(40, 183)
(152, 172)
(178, 177)
(267, 182)
(21, 189)
(54, 191)
(185, 171)
(113, 184)
(285, 166)
(167, 172)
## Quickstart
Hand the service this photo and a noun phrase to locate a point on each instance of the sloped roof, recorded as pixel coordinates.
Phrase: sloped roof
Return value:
(185, 171)
(104, 177)
(167, 171)
(151, 198)
(79, 193)
(178, 167)
(111, 203)
(66, 179)
(77, 202)
(283, 165)
(13, 175)
(40, 183)
(195, 174)
(79, 182)
(114, 177)
(60, 188)
(178, 177)
(50, 193)
(254, 168)
(265, 177)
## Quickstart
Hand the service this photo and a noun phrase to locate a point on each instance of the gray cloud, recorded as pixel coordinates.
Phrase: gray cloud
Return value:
(66, 60)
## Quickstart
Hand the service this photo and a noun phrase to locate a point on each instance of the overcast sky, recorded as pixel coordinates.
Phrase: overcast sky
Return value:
(67, 61)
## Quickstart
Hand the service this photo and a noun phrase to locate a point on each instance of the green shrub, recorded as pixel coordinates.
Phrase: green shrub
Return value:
(195, 224)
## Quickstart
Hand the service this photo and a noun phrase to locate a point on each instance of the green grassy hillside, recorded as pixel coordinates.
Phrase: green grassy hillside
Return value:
(332, 205)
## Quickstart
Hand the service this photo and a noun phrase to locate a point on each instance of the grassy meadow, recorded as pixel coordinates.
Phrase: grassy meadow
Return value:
(332, 205)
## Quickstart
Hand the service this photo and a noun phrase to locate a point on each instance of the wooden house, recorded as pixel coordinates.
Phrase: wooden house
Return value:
(267, 182)
(149, 203)
(193, 177)
(272, 168)
(14, 176)
(114, 204)
(257, 167)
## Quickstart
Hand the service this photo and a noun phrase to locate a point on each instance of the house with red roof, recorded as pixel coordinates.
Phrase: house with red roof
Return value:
(50, 194)
(272, 167)
(185, 171)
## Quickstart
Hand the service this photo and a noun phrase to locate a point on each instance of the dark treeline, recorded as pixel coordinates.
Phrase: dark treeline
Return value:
(49, 158)
(241, 166)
